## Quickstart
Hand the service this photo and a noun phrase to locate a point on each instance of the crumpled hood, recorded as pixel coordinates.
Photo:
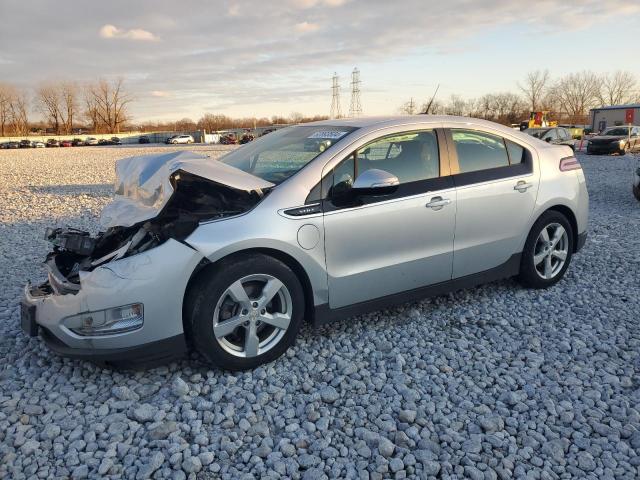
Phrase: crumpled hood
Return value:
(143, 185)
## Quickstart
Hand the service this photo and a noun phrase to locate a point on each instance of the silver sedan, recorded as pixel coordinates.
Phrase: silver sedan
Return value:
(310, 223)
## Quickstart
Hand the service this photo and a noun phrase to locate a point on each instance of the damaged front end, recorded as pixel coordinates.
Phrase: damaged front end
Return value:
(157, 198)
(118, 294)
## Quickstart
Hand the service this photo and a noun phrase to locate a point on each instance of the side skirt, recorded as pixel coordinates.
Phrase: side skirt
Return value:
(324, 314)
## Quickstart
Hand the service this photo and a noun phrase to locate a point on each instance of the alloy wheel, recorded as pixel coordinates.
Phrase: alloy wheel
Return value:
(252, 315)
(551, 250)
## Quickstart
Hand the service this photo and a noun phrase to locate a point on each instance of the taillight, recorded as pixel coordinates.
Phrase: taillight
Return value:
(569, 163)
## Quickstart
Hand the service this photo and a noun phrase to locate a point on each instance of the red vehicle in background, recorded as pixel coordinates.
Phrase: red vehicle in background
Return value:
(66, 143)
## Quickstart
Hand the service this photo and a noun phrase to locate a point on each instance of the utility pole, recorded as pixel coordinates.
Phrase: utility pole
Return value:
(355, 109)
(336, 111)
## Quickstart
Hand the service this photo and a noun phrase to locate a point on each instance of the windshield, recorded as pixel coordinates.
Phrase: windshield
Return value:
(616, 131)
(277, 156)
(537, 132)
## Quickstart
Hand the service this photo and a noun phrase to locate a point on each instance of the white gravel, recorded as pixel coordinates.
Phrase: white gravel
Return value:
(494, 382)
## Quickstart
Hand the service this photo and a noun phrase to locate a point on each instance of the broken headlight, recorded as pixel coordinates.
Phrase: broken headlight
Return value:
(107, 322)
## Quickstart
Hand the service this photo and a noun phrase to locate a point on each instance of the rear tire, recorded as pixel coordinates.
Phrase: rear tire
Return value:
(547, 252)
(245, 312)
(636, 192)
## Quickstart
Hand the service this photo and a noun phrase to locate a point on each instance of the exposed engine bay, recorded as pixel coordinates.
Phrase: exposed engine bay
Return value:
(180, 201)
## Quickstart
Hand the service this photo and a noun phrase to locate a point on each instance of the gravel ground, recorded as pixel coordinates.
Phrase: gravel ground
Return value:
(494, 382)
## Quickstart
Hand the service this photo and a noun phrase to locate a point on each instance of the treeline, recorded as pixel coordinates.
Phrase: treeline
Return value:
(569, 98)
(99, 106)
(213, 122)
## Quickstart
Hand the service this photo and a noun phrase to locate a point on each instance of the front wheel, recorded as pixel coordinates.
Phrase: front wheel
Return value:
(245, 313)
(547, 251)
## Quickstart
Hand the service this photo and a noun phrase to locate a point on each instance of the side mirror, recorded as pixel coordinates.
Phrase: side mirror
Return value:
(375, 182)
(548, 139)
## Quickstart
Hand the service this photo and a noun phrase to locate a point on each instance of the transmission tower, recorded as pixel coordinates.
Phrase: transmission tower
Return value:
(336, 111)
(355, 110)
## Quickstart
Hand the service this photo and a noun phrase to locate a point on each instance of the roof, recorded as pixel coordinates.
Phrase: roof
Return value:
(617, 107)
(386, 121)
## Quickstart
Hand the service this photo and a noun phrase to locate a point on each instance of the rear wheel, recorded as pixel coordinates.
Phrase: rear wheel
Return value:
(636, 192)
(547, 252)
(246, 312)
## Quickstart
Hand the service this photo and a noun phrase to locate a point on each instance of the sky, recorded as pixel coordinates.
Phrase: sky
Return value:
(259, 58)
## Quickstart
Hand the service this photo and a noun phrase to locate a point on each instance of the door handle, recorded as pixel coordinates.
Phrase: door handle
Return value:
(437, 203)
(522, 186)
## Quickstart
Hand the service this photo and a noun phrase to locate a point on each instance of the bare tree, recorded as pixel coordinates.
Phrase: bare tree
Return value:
(69, 104)
(456, 106)
(109, 101)
(576, 93)
(6, 92)
(408, 108)
(49, 103)
(185, 125)
(19, 108)
(617, 88)
(535, 87)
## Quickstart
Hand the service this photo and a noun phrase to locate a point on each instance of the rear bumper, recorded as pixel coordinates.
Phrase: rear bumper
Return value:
(604, 149)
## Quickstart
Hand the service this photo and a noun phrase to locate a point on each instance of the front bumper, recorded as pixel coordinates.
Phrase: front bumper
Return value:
(582, 239)
(156, 278)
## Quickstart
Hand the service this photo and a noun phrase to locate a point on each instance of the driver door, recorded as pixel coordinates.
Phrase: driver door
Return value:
(382, 244)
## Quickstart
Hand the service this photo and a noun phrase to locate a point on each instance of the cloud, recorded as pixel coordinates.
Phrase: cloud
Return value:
(304, 4)
(111, 31)
(306, 27)
(256, 53)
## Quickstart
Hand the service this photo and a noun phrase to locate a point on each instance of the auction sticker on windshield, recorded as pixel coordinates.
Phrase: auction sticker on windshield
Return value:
(328, 134)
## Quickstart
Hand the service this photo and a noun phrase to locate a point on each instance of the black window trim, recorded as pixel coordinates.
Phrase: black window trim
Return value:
(462, 179)
(405, 190)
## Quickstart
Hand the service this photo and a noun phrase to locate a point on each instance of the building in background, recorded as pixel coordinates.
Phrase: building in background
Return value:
(614, 115)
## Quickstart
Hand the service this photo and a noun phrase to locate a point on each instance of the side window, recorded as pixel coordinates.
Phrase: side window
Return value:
(516, 152)
(479, 150)
(410, 156)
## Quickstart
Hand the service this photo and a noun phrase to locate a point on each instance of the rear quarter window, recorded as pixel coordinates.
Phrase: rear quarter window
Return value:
(478, 150)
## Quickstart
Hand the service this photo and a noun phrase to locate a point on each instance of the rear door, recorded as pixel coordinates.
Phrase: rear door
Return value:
(380, 245)
(496, 189)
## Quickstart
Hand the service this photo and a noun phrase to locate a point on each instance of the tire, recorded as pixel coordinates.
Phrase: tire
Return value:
(210, 305)
(551, 268)
(636, 192)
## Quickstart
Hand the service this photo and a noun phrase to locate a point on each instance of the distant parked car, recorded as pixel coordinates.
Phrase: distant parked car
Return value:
(66, 143)
(246, 138)
(144, 139)
(116, 141)
(52, 142)
(13, 145)
(553, 135)
(38, 144)
(91, 141)
(620, 140)
(77, 142)
(26, 144)
(228, 139)
(180, 139)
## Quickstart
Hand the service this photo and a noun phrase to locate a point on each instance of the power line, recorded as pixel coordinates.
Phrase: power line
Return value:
(336, 111)
(355, 109)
